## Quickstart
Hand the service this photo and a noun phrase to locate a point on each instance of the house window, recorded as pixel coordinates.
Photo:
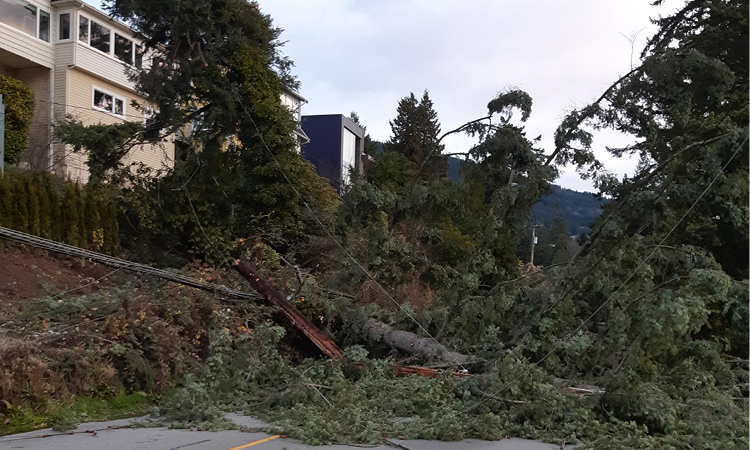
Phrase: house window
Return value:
(139, 56)
(123, 49)
(107, 102)
(107, 41)
(44, 25)
(99, 37)
(19, 14)
(151, 128)
(83, 30)
(25, 17)
(64, 22)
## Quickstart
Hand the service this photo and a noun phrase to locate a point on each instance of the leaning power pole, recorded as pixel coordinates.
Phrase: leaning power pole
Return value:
(533, 243)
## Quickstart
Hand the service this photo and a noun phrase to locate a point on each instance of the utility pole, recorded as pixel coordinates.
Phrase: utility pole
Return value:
(2, 137)
(533, 243)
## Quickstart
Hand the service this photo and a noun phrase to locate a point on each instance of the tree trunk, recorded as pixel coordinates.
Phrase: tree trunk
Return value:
(410, 343)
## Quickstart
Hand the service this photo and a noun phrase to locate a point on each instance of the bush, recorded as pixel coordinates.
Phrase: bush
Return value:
(19, 108)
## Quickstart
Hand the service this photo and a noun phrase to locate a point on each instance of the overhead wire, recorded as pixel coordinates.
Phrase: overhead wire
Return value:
(338, 244)
(577, 285)
(632, 274)
(119, 263)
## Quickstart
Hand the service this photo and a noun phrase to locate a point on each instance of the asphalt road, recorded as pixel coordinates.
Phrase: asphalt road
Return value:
(120, 435)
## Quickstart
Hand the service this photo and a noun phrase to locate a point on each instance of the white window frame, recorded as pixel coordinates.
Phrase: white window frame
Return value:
(114, 99)
(39, 9)
(73, 27)
(51, 16)
(132, 48)
(112, 30)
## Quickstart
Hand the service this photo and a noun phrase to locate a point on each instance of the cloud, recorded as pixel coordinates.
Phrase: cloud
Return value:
(366, 55)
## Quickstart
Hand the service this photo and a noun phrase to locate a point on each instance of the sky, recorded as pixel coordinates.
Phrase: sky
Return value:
(364, 56)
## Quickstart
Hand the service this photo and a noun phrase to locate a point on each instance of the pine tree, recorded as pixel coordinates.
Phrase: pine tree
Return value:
(70, 218)
(93, 220)
(32, 198)
(416, 131)
(45, 210)
(6, 202)
(108, 217)
(81, 206)
(54, 206)
(20, 205)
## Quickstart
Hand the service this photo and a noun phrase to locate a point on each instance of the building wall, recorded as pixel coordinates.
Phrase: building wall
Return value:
(35, 50)
(39, 79)
(324, 148)
(95, 62)
(335, 146)
(80, 106)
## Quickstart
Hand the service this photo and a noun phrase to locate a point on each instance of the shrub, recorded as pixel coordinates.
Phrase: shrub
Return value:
(19, 108)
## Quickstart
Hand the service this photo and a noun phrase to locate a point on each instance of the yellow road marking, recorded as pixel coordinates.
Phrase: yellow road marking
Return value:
(240, 447)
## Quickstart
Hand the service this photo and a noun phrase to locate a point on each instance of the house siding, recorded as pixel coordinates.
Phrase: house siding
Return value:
(65, 53)
(39, 80)
(80, 88)
(25, 46)
(102, 65)
(59, 111)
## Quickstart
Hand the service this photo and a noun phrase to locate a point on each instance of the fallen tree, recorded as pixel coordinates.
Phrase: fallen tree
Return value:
(373, 329)
(409, 342)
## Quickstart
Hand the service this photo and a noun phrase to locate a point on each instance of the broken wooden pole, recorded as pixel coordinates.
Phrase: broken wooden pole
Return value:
(403, 371)
(264, 287)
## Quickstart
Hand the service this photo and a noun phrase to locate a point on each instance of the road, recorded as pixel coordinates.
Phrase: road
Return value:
(121, 435)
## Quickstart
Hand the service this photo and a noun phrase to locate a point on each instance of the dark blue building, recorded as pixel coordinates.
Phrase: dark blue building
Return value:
(335, 147)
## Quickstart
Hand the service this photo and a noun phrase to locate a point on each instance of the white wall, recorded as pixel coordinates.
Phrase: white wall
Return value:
(348, 154)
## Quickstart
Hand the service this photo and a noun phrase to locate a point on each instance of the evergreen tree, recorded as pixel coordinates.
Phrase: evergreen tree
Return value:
(6, 202)
(219, 67)
(20, 205)
(416, 135)
(70, 226)
(80, 204)
(93, 221)
(560, 240)
(45, 209)
(32, 199)
(56, 218)
(693, 79)
(108, 217)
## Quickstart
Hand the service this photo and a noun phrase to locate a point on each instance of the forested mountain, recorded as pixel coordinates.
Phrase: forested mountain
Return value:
(578, 208)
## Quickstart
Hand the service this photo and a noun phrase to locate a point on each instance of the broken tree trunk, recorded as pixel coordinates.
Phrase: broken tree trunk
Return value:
(264, 287)
(409, 342)
(401, 340)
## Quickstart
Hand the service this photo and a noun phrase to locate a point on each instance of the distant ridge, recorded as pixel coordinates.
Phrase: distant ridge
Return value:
(578, 208)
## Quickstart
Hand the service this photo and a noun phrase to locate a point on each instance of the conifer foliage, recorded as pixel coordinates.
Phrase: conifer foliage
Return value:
(19, 108)
(416, 135)
(62, 211)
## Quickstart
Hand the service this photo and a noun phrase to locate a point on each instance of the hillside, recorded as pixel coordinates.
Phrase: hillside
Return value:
(578, 208)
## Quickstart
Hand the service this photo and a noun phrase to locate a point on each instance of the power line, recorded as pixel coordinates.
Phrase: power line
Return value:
(632, 274)
(338, 244)
(575, 289)
(119, 263)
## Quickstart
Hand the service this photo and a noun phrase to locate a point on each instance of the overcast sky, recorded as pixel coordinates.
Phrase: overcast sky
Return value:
(358, 55)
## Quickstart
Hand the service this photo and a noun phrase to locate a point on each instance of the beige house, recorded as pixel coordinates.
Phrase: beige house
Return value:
(293, 102)
(74, 57)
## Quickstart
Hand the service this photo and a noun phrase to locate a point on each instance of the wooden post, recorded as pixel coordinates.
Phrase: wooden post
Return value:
(264, 287)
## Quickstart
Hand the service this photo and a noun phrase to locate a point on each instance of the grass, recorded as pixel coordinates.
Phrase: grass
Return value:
(65, 416)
